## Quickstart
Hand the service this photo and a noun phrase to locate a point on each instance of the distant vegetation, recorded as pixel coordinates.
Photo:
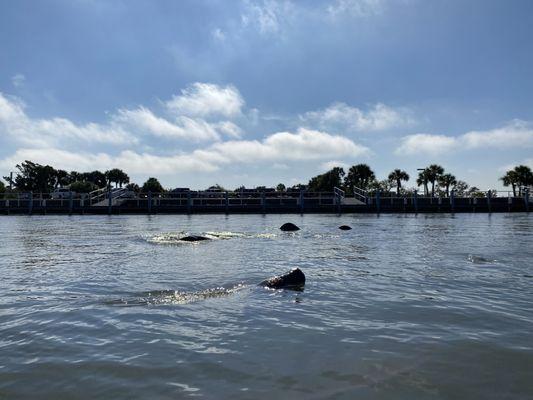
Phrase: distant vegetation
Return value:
(433, 179)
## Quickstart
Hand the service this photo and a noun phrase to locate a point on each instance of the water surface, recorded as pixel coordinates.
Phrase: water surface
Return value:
(400, 307)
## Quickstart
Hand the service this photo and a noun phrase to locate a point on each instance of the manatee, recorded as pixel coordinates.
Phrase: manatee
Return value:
(289, 227)
(294, 279)
(193, 238)
(345, 228)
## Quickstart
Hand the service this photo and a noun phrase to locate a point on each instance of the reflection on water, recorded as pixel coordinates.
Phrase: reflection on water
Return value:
(400, 307)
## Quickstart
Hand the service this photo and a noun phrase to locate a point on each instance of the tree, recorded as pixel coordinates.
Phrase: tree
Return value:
(522, 177)
(446, 181)
(2, 187)
(359, 176)
(328, 181)
(434, 171)
(397, 176)
(96, 177)
(152, 185)
(460, 188)
(117, 176)
(510, 179)
(82, 187)
(423, 180)
(34, 177)
(62, 178)
(383, 186)
(280, 187)
(133, 187)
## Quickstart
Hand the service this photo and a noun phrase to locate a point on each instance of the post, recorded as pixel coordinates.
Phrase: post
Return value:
(109, 201)
(30, 204)
(415, 200)
(70, 202)
(301, 200)
(378, 200)
(263, 202)
(452, 200)
(509, 203)
(149, 202)
(526, 198)
(188, 202)
(226, 198)
(489, 197)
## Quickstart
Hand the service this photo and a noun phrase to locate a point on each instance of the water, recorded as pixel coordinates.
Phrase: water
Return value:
(400, 307)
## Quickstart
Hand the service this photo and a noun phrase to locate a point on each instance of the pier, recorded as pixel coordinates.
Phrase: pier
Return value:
(122, 201)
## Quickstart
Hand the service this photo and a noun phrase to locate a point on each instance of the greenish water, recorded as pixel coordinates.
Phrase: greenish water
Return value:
(400, 307)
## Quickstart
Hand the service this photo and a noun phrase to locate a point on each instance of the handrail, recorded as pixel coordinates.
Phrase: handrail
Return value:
(360, 194)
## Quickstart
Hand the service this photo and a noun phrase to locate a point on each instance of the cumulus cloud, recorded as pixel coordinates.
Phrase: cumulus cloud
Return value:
(340, 116)
(45, 132)
(517, 134)
(426, 144)
(304, 145)
(130, 161)
(329, 165)
(207, 99)
(185, 128)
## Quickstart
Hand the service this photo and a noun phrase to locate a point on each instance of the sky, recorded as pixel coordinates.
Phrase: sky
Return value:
(261, 92)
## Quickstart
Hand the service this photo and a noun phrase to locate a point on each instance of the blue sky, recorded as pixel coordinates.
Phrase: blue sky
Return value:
(260, 92)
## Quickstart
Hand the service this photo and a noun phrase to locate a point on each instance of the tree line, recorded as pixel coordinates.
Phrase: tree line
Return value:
(34, 177)
(434, 180)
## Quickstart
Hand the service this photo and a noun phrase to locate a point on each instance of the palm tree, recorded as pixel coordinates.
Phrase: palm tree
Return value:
(398, 176)
(525, 177)
(360, 176)
(423, 180)
(434, 171)
(447, 180)
(117, 176)
(510, 179)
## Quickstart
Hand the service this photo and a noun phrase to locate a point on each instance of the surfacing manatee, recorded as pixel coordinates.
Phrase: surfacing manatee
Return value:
(294, 280)
(289, 227)
(345, 228)
(193, 238)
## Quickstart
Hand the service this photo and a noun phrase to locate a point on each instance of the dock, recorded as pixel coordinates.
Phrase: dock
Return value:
(121, 201)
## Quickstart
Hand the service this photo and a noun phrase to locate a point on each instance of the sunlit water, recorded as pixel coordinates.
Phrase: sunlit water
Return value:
(400, 307)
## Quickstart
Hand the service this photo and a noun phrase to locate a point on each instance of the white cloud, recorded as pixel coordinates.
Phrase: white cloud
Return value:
(329, 165)
(18, 80)
(207, 99)
(229, 128)
(355, 8)
(46, 132)
(516, 134)
(340, 116)
(304, 145)
(285, 146)
(130, 161)
(267, 16)
(144, 120)
(426, 144)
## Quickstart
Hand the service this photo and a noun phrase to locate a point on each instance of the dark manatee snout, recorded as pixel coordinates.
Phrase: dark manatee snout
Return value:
(345, 228)
(294, 279)
(289, 227)
(193, 238)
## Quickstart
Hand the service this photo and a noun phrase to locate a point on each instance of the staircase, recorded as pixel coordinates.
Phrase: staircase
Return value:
(100, 197)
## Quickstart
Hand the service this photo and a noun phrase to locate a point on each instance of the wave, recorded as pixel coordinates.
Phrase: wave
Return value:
(174, 297)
